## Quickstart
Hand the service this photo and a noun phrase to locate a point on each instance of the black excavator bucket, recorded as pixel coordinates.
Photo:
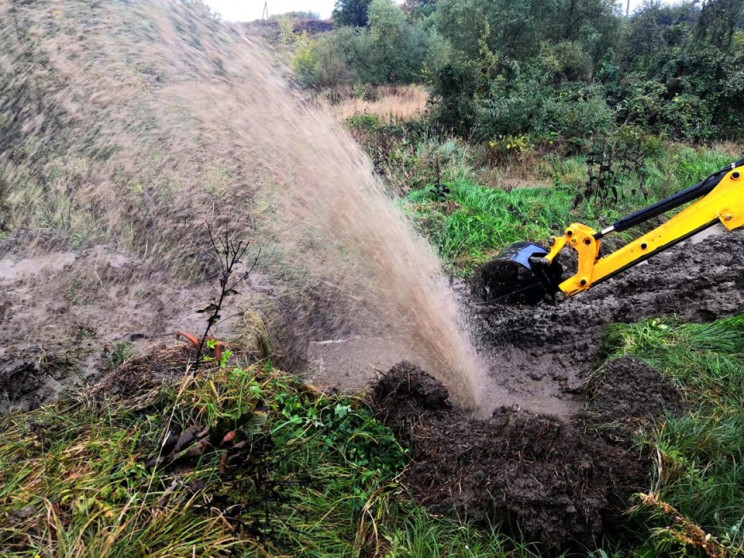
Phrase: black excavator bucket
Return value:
(518, 275)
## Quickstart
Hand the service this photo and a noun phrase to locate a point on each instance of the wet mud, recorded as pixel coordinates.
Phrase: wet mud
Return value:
(629, 393)
(67, 317)
(555, 463)
(547, 479)
(542, 355)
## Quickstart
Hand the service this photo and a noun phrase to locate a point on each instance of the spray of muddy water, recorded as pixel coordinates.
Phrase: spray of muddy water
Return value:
(329, 210)
(325, 219)
(166, 118)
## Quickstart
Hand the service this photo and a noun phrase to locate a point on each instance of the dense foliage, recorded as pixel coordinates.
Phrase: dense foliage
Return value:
(548, 68)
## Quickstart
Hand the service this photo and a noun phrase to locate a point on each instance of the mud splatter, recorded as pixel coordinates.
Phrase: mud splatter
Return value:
(63, 314)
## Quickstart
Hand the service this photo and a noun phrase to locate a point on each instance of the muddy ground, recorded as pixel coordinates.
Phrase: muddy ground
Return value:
(556, 464)
(67, 316)
(543, 354)
(543, 478)
(64, 313)
(535, 462)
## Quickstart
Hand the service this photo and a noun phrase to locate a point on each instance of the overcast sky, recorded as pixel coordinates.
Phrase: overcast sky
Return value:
(248, 10)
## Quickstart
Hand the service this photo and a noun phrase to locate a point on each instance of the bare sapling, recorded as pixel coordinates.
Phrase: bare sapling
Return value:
(229, 253)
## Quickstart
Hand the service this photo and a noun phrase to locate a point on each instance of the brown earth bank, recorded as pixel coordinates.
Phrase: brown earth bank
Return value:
(543, 478)
(68, 316)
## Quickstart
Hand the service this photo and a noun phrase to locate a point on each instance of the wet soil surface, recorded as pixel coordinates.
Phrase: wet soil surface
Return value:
(543, 354)
(629, 392)
(67, 317)
(543, 478)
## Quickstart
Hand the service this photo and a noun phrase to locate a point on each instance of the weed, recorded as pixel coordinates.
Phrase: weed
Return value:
(229, 253)
(317, 478)
(119, 354)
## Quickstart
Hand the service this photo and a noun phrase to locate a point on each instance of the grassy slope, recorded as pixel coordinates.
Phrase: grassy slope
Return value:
(104, 133)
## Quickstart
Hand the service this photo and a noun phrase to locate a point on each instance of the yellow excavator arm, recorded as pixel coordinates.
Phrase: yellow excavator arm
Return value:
(525, 272)
(723, 202)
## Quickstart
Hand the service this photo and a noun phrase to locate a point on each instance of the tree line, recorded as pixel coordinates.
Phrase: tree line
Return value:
(546, 68)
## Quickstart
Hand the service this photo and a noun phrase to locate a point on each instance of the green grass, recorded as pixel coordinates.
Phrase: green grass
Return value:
(474, 222)
(702, 451)
(318, 479)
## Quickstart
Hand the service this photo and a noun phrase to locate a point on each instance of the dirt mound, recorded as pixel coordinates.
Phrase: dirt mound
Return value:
(540, 477)
(628, 390)
(139, 375)
(407, 392)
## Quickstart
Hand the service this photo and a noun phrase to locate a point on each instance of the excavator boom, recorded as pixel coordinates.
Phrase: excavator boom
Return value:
(720, 199)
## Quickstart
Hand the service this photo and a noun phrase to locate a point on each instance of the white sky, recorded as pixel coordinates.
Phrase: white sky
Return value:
(248, 10)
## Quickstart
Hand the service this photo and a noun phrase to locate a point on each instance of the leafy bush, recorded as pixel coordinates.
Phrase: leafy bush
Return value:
(320, 64)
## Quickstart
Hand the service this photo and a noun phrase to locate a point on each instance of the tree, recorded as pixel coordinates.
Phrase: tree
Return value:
(351, 12)
(388, 29)
(419, 8)
(719, 20)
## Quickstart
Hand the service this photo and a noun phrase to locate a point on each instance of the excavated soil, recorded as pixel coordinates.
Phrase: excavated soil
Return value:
(543, 478)
(629, 392)
(543, 354)
(555, 464)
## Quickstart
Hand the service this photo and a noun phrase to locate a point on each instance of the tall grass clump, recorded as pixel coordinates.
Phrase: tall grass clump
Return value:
(700, 470)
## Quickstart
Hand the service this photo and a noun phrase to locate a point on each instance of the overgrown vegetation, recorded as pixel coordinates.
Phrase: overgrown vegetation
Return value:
(571, 69)
(304, 474)
(699, 470)
(568, 94)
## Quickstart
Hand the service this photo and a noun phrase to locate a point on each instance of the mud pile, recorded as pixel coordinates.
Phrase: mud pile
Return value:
(543, 478)
(629, 391)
